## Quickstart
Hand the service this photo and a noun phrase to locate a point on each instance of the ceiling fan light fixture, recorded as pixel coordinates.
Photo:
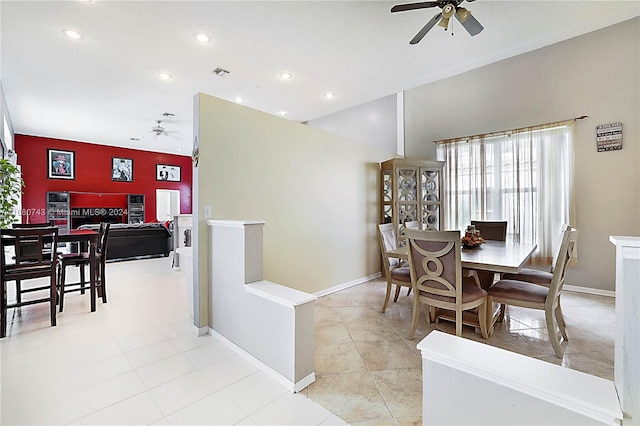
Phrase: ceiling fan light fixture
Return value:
(448, 11)
(444, 23)
(462, 14)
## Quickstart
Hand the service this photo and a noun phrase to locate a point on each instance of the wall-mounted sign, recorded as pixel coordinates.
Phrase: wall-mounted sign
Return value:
(609, 137)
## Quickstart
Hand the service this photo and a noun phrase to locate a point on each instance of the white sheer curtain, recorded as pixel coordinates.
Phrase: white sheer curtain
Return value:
(523, 176)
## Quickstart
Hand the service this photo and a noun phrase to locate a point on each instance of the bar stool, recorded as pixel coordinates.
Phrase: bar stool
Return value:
(82, 260)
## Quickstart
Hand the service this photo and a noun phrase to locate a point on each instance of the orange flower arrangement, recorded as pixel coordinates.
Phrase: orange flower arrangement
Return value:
(472, 238)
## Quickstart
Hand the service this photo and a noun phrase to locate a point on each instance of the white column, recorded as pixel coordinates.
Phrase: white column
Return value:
(627, 349)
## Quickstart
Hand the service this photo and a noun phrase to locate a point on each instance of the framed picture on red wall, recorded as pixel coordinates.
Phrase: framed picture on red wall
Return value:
(62, 164)
(122, 169)
(167, 173)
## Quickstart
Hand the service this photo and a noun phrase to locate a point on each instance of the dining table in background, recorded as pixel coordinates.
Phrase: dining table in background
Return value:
(85, 237)
(495, 256)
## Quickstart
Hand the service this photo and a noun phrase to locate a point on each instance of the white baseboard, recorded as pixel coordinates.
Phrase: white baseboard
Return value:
(588, 290)
(291, 386)
(200, 331)
(346, 285)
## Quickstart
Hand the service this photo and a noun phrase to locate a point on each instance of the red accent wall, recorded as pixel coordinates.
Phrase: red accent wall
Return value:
(92, 186)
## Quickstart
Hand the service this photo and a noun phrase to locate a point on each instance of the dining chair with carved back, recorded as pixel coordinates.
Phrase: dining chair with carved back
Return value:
(82, 260)
(529, 295)
(438, 281)
(396, 272)
(31, 261)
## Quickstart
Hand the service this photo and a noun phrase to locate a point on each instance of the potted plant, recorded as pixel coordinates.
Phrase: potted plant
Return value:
(11, 185)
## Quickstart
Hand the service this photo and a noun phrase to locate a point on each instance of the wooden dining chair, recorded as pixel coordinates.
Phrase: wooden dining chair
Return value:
(82, 260)
(31, 261)
(396, 272)
(528, 295)
(438, 282)
(538, 276)
(493, 231)
(26, 249)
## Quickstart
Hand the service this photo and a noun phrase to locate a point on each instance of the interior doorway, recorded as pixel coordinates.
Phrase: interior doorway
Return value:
(167, 204)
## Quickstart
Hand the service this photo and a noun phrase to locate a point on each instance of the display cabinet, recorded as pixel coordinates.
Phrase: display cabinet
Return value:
(411, 190)
(59, 209)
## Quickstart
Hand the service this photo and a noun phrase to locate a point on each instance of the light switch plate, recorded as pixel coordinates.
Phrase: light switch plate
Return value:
(207, 212)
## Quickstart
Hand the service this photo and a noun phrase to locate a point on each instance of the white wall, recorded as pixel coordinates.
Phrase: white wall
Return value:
(373, 123)
(596, 74)
(317, 193)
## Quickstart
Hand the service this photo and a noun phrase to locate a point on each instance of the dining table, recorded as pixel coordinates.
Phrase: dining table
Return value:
(85, 237)
(495, 256)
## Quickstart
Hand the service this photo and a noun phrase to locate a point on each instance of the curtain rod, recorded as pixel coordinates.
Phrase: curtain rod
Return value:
(507, 132)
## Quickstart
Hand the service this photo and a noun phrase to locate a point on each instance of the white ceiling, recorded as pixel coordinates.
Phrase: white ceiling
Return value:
(104, 88)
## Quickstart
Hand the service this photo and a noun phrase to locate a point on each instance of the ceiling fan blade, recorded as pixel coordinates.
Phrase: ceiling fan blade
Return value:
(426, 29)
(413, 6)
(469, 23)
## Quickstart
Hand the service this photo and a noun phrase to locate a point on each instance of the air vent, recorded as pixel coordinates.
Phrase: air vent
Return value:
(220, 72)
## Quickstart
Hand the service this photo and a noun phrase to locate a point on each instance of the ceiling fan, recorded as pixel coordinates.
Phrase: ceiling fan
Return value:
(449, 8)
(158, 130)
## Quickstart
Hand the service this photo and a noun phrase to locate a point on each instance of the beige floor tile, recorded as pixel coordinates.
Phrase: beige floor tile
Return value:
(339, 358)
(353, 397)
(402, 390)
(386, 355)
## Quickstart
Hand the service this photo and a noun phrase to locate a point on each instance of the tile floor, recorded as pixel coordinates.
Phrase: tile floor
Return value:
(368, 372)
(136, 361)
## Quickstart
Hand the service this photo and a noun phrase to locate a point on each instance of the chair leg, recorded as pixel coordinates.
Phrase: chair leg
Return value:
(61, 282)
(414, 317)
(18, 292)
(503, 308)
(458, 322)
(560, 321)
(53, 294)
(553, 335)
(483, 319)
(386, 297)
(395, 298)
(103, 280)
(82, 277)
(3, 310)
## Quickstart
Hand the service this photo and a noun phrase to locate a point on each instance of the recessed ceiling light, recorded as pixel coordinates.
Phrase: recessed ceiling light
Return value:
(165, 76)
(329, 95)
(72, 34)
(239, 100)
(283, 113)
(285, 75)
(202, 38)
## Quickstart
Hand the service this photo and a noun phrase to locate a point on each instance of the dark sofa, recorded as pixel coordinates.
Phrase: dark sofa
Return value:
(135, 241)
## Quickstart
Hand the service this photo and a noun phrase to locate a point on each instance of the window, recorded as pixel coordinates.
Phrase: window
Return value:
(523, 176)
